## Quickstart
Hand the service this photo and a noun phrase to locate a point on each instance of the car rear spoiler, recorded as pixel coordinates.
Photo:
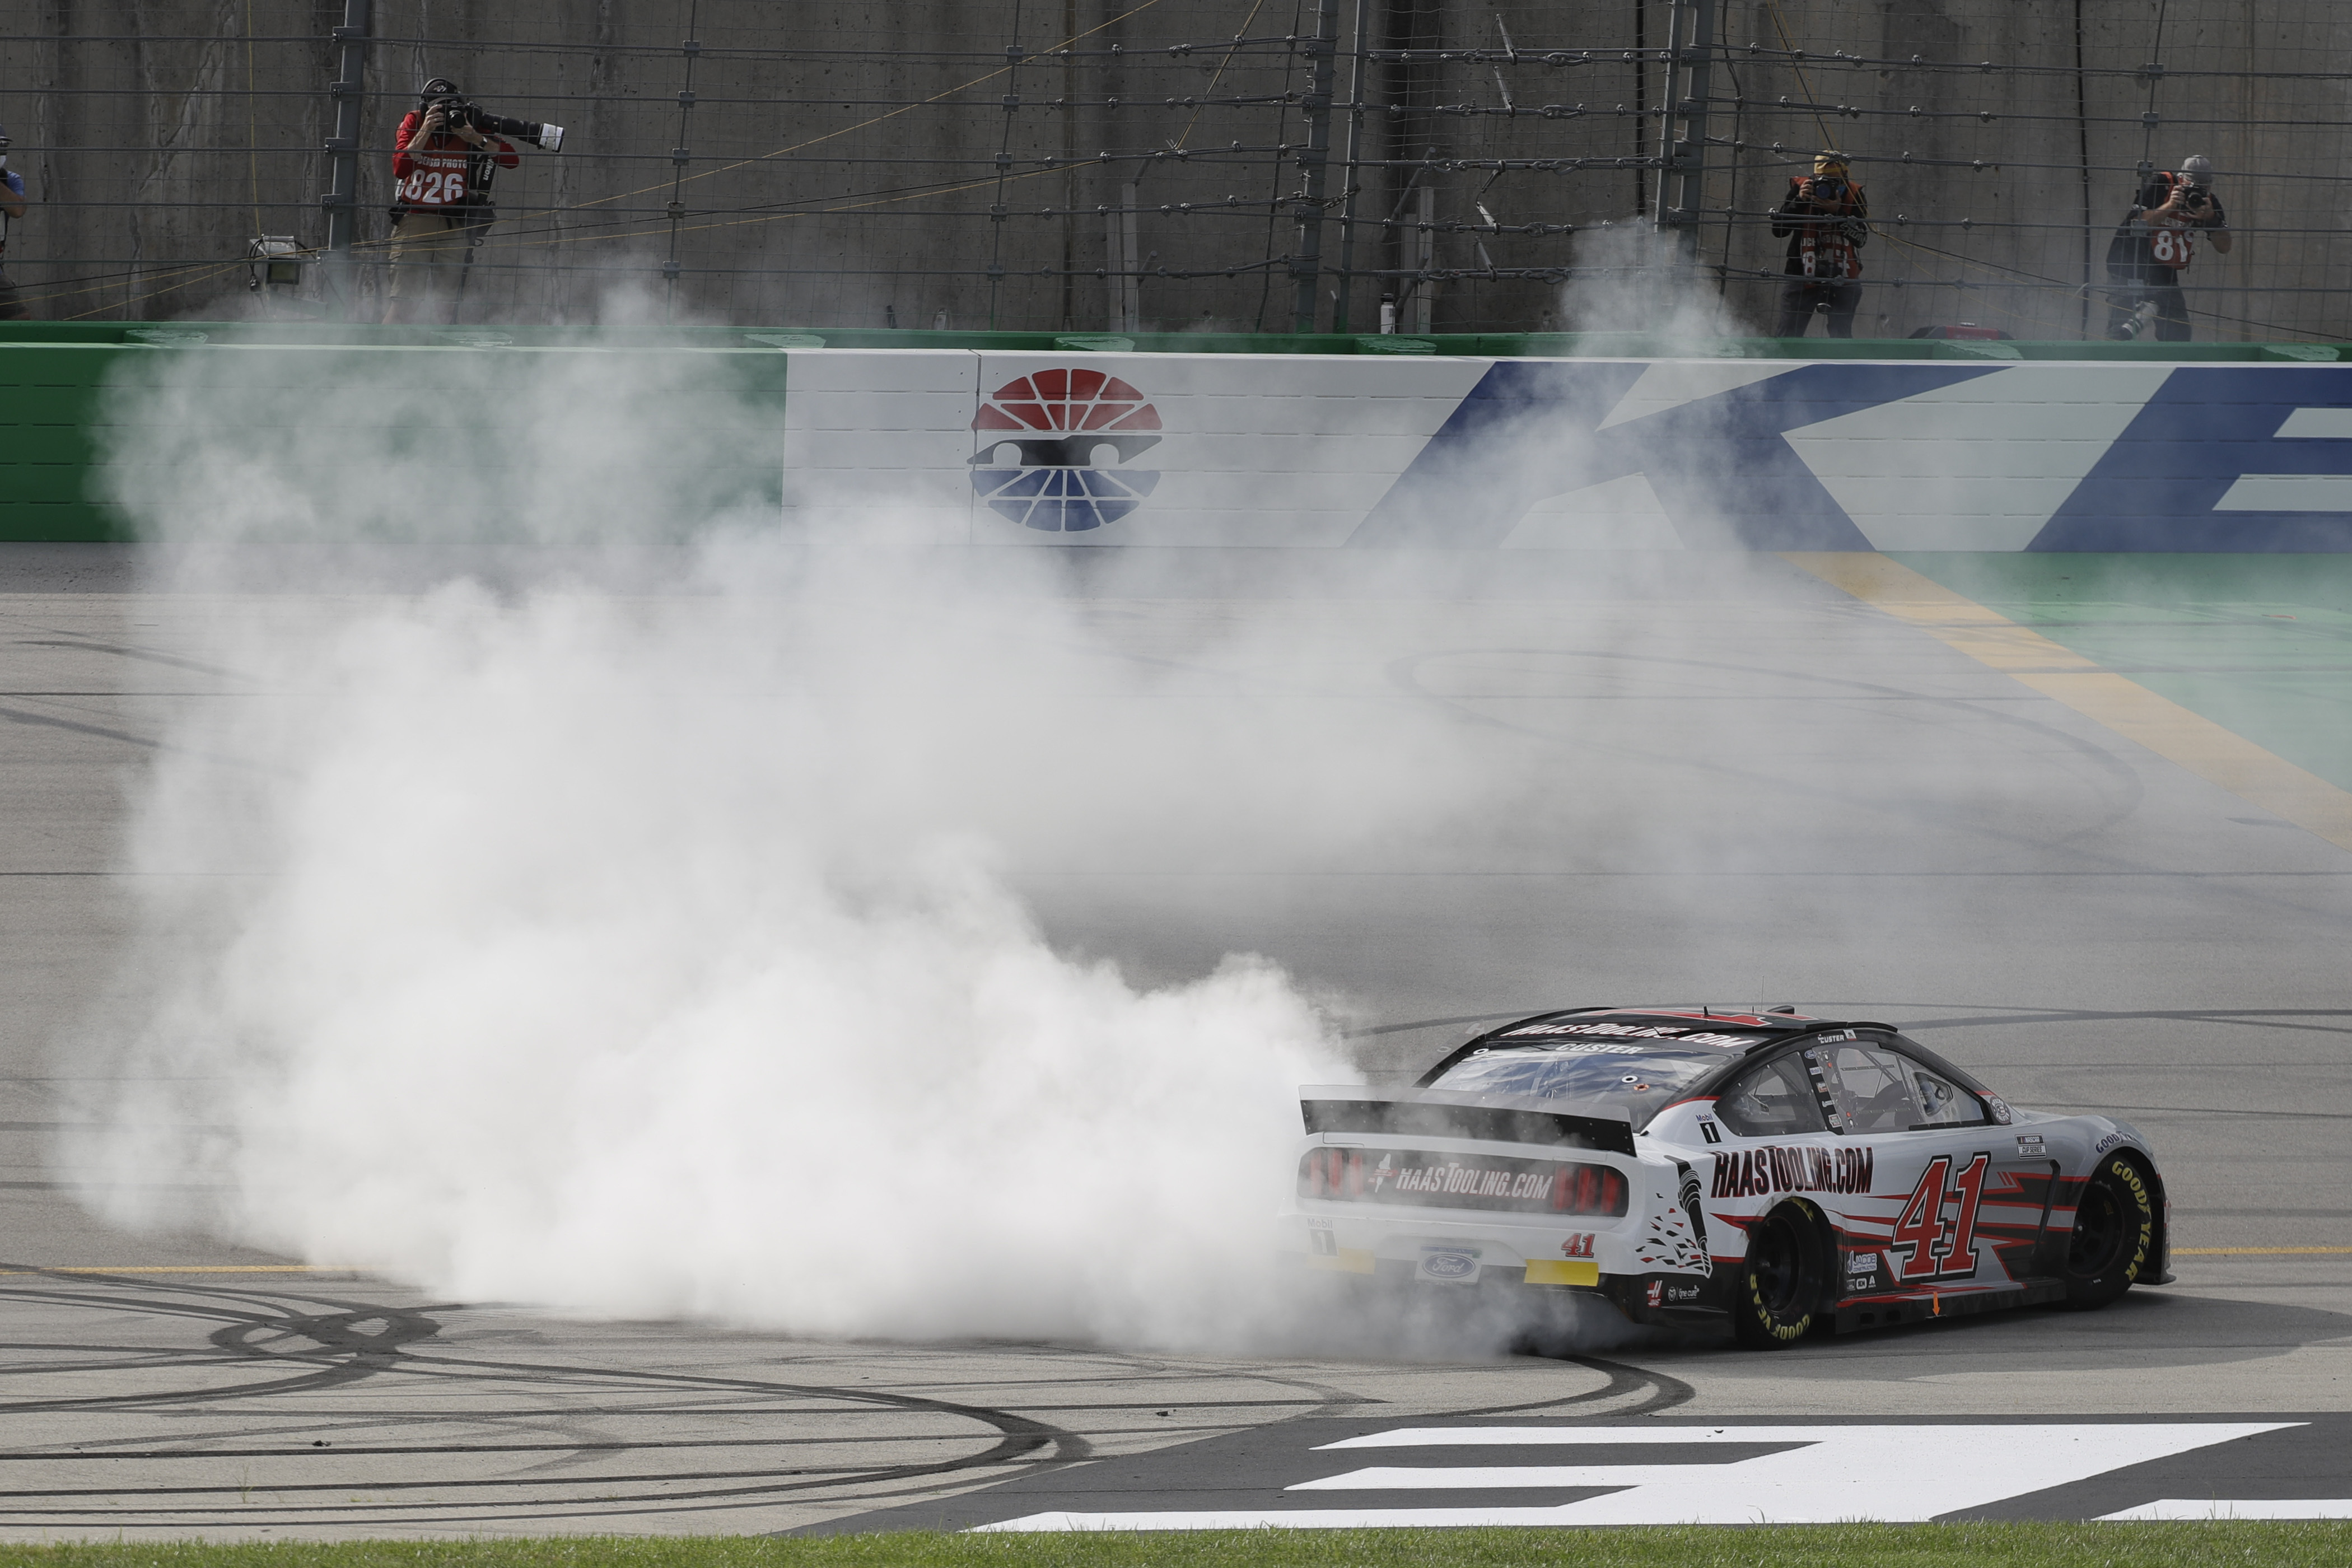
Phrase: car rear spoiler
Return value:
(1444, 1113)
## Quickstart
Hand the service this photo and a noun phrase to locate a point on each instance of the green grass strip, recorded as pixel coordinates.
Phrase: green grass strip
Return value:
(2236, 1543)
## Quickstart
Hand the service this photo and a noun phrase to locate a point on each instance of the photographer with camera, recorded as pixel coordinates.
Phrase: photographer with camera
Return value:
(2153, 246)
(1826, 222)
(442, 165)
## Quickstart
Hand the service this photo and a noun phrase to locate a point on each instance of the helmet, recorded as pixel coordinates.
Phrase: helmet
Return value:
(2196, 169)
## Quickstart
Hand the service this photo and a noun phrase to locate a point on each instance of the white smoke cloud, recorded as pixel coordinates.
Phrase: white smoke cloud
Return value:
(620, 919)
(1631, 278)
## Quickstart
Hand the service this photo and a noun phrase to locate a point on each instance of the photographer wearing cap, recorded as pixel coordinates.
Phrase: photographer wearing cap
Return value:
(1826, 222)
(442, 165)
(12, 206)
(2154, 245)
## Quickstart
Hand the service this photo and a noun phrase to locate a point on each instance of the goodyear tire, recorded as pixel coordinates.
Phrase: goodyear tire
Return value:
(1780, 1286)
(2114, 1234)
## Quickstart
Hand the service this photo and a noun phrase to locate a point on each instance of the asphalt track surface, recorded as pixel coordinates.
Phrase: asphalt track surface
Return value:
(1804, 800)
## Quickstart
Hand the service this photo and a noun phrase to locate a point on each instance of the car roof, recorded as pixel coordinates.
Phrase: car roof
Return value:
(1737, 1033)
(1696, 1017)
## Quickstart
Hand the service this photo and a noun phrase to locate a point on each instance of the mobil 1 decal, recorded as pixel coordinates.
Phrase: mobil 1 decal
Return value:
(1927, 1243)
(1759, 1173)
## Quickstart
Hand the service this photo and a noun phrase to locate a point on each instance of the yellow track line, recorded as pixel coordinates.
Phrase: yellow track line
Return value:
(2130, 709)
(2251, 1251)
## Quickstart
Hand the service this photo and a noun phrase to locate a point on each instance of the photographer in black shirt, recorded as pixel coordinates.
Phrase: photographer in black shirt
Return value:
(2153, 246)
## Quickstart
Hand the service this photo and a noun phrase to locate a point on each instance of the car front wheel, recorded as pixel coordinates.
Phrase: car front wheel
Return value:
(1780, 1285)
(2114, 1234)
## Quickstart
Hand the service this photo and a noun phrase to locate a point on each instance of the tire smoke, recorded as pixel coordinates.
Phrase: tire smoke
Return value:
(577, 891)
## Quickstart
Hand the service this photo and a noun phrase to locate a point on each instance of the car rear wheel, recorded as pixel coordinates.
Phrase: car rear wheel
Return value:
(1781, 1283)
(2114, 1234)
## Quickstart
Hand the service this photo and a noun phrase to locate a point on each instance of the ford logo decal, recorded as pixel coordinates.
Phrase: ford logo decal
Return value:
(1448, 1265)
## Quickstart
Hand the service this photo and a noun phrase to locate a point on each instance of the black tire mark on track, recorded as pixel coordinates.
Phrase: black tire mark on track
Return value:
(356, 1353)
(232, 1353)
(1438, 1022)
(2241, 1017)
(87, 645)
(1659, 1391)
(1405, 674)
(2245, 1017)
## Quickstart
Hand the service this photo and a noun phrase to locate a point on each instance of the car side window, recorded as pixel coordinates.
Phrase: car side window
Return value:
(1774, 1099)
(1942, 1102)
(1870, 1088)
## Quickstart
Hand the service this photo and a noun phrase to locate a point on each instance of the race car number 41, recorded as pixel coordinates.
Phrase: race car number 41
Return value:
(1936, 1246)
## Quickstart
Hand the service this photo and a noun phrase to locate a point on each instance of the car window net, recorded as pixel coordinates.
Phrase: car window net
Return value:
(1775, 1100)
(1641, 1080)
(1870, 1089)
(1942, 1102)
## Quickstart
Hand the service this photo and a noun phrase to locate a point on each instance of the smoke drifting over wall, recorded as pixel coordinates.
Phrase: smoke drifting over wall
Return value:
(620, 919)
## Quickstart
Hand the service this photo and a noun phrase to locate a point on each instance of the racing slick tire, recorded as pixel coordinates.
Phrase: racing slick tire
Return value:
(2114, 1235)
(1776, 1297)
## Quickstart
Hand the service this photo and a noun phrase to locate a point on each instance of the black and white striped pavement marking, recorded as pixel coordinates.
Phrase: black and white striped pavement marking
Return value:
(1815, 1475)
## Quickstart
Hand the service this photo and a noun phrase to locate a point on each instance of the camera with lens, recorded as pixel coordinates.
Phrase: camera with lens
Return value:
(456, 111)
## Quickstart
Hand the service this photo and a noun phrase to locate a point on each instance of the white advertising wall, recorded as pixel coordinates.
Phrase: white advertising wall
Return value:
(1459, 453)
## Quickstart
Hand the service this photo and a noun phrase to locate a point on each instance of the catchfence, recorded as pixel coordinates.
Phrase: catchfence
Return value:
(1273, 165)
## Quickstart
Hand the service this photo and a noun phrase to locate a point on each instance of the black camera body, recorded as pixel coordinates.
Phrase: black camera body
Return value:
(456, 112)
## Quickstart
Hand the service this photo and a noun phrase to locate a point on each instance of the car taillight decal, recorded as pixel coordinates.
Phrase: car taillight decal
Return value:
(1588, 1189)
(1460, 1181)
(1332, 1174)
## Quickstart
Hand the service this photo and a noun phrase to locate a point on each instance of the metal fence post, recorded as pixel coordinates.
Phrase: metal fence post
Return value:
(675, 210)
(342, 200)
(1314, 160)
(1682, 126)
(1351, 176)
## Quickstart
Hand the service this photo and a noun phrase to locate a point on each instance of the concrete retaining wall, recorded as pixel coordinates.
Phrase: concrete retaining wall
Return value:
(1016, 440)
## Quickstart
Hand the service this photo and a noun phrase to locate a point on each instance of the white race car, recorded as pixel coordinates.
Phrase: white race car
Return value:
(1765, 1171)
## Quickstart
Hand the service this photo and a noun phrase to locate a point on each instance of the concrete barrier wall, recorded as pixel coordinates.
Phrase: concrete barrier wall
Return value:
(1508, 454)
(1021, 443)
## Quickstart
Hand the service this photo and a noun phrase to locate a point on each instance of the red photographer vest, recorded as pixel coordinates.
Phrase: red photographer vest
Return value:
(434, 178)
(436, 174)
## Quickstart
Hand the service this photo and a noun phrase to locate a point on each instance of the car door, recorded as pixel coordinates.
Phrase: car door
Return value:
(2011, 1202)
(1778, 1143)
(1934, 1165)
